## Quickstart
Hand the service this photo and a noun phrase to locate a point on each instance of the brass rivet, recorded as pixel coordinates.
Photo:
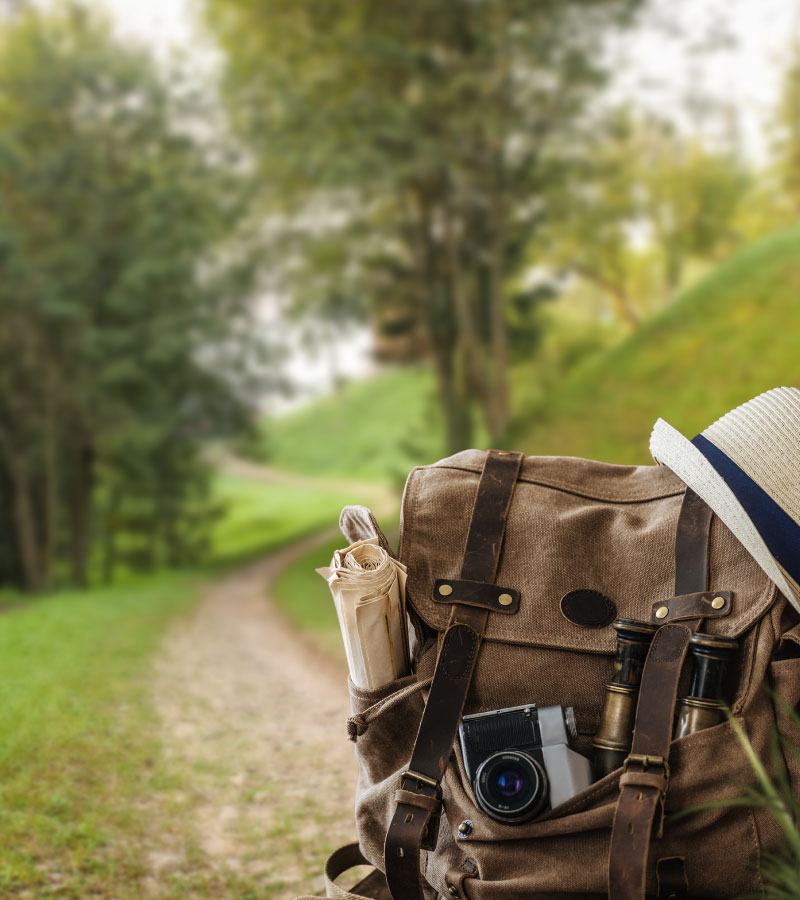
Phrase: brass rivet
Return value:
(718, 603)
(445, 589)
(505, 599)
(662, 612)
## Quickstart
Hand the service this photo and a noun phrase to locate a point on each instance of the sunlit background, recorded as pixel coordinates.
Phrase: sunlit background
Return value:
(257, 261)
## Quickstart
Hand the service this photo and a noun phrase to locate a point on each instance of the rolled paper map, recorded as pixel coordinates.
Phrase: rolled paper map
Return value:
(368, 589)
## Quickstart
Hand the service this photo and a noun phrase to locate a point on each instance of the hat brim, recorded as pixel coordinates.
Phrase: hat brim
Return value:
(670, 448)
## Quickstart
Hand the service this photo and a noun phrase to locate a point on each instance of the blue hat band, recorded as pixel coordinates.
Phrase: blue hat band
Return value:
(778, 529)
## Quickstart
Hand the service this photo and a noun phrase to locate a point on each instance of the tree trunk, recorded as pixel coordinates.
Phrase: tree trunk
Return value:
(497, 401)
(80, 508)
(49, 494)
(470, 350)
(455, 410)
(25, 523)
(109, 551)
(437, 319)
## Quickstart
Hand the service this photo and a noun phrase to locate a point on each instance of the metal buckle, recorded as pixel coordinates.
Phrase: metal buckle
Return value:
(646, 761)
(431, 834)
(423, 779)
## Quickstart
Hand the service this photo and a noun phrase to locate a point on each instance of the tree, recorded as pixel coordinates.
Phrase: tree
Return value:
(690, 196)
(649, 201)
(437, 130)
(115, 297)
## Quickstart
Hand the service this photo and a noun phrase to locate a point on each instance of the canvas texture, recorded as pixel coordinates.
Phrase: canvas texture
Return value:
(575, 524)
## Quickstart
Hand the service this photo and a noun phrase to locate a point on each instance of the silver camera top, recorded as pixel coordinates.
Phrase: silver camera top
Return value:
(556, 724)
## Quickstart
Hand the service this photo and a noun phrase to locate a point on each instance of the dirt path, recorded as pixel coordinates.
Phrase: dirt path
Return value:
(260, 776)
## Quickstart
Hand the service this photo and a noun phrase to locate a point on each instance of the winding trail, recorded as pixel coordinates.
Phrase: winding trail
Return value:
(253, 718)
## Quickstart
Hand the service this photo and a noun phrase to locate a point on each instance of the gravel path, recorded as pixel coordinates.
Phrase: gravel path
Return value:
(259, 774)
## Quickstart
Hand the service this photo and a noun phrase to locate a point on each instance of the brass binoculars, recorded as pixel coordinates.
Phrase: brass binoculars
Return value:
(702, 707)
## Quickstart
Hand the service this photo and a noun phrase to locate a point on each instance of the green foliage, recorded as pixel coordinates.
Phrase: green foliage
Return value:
(773, 792)
(78, 750)
(651, 202)
(121, 318)
(373, 429)
(417, 145)
(728, 338)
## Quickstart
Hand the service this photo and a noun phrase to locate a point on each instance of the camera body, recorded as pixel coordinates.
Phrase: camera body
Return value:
(519, 762)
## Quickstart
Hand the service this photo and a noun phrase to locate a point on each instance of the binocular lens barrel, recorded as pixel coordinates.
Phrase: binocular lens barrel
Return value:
(612, 742)
(704, 706)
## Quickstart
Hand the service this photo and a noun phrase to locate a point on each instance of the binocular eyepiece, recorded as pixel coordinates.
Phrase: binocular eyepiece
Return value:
(612, 742)
(702, 707)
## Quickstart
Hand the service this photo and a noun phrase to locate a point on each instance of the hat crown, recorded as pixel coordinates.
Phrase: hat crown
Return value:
(762, 436)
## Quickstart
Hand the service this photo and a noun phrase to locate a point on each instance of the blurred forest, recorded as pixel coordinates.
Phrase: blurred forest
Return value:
(123, 303)
(457, 175)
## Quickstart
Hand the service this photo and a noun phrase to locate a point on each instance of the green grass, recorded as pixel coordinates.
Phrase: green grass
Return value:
(262, 515)
(78, 750)
(734, 334)
(373, 429)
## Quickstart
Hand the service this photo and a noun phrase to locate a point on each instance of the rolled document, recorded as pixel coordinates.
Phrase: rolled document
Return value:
(368, 589)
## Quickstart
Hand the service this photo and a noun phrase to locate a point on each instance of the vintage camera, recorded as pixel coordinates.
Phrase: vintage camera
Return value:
(519, 762)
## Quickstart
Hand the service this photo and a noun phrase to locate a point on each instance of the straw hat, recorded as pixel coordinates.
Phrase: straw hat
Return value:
(746, 466)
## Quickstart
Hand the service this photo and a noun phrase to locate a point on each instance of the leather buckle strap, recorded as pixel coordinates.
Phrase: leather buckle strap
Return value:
(415, 822)
(649, 771)
(646, 761)
(419, 778)
(645, 777)
(425, 795)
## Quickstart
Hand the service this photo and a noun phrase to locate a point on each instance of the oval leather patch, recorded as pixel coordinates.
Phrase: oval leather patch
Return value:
(588, 608)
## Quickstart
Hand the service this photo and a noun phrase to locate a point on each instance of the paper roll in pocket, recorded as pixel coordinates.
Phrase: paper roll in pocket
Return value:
(368, 590)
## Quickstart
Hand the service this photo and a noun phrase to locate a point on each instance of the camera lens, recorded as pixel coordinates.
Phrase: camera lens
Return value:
(511, 786)
(510, 783)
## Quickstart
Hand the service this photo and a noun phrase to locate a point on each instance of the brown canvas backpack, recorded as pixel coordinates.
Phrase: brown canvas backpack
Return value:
(509, 537)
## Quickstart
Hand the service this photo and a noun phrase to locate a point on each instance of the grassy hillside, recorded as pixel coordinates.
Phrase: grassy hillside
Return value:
(375, 429)
(731, 336)
(261, 515)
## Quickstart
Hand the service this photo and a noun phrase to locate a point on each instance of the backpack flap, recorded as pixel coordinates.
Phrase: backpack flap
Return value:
(575, 526)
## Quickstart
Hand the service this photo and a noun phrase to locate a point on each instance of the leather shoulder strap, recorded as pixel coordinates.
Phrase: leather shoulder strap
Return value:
(414, 825)
(643, 784)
